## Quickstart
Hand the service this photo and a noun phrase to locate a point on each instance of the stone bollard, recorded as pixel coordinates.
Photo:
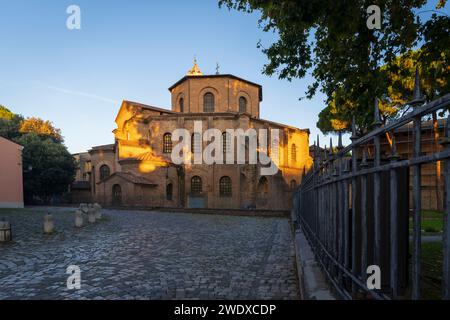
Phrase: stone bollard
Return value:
(98, 211)
(91, 215)
(78, 219)
(5, 231)
(49, 225)
(84, 207)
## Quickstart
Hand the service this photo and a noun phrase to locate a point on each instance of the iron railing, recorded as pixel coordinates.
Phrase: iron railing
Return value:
(355, 211)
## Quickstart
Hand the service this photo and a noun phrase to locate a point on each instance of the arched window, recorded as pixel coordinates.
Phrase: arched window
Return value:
(196, 185)
(196, 143)
(242, 104)
(293, 184)
(294, 153)
(169, 191)
(226, 144)
(225, 187)
(263, 186)
(104, 172)
(181, 103)
(167, 143)
(208, 102)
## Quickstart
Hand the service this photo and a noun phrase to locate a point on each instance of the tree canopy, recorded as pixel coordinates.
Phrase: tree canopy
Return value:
(42, 128)
(48, 167)
(331, 41)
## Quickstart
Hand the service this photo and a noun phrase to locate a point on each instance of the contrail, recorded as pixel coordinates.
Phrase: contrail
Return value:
(82, 94)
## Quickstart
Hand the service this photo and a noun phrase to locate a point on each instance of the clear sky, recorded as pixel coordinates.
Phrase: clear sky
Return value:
(130, 50)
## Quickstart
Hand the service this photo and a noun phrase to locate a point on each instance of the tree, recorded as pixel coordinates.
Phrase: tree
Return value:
(5, 113)
(330, 39)
(41, 128)
(49, 167)
(9, 123)
(400, 74)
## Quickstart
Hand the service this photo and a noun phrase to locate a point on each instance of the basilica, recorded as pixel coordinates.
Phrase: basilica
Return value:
(138, 170)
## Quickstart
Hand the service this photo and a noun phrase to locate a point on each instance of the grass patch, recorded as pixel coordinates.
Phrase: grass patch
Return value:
(432, 221)
(432, 270)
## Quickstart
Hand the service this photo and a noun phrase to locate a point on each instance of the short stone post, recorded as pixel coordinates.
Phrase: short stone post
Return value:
(84, 207)
(98, 211)
(49, 225)
(78, 219)
(5, 231)
(91, 214)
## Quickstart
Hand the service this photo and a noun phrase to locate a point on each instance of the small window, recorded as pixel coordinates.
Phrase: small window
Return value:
(104, 172)
(293, 184)
(263, 186)
(181, 105)
(196, 185)
(294, 153)
(242, 104)
(196, 143)
(208, 102)
(225, 187)
(226, 143)
(167, 143)
(169, 191)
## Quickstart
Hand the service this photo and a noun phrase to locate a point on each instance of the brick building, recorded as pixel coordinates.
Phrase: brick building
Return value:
(11, 178)
(137, 170)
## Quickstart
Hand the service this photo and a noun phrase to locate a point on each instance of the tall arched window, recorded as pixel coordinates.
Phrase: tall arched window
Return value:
(242, 104)
(226, 144)
(167, 143)
(294, 153)
(196, 185)
(225, 187)
(181, 103)
(196, 143)
(104, 172)
(208, 102)
(169, 191)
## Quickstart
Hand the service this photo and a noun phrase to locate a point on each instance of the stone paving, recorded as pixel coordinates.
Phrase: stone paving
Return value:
(149, 255)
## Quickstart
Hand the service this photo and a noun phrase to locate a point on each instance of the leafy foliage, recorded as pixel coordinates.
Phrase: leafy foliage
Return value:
(48, 167)
(330, 39)
(41, 128)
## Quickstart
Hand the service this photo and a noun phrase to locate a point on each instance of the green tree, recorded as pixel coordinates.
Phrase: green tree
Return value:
(435, 82)
(49, 167)
(9, 123)
(5, 113)
(42, 128)
(330, 39)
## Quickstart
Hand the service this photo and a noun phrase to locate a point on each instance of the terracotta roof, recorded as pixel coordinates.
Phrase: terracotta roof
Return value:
(145, 106)
(151, 156)
(131, 177)
(218, 76)
(103, 147)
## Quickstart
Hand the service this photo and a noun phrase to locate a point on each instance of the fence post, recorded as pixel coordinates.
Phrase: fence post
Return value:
(354, 191)
(394, 221)
(417, 201)
(446, 235)
(377, 188)
(364, 248)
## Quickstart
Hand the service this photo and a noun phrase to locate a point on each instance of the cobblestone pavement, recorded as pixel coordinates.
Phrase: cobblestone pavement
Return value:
(148, 255)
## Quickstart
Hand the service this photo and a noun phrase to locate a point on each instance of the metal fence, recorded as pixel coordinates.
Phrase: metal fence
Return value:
(355, 211)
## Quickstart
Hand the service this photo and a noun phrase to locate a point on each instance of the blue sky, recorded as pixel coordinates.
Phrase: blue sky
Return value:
(130, 50)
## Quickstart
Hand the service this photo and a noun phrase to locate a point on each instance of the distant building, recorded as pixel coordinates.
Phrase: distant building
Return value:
(137, 169)
(11, 178)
